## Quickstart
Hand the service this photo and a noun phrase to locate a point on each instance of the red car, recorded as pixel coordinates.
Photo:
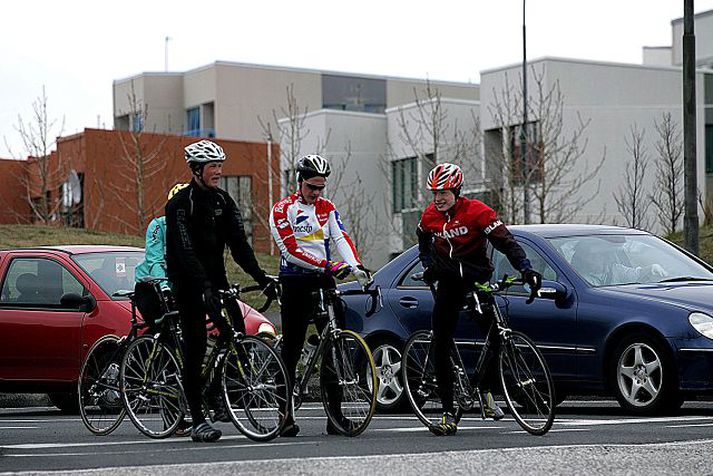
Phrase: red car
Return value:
(55, 302)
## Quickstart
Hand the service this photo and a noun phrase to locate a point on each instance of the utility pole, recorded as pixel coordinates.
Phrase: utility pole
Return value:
(165, 53)
(690, 217)
(523, 129)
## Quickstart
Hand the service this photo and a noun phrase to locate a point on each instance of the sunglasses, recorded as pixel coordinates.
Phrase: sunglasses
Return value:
(314, 187)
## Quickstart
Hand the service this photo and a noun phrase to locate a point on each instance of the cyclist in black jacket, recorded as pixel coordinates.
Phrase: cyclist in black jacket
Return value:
(201, 220)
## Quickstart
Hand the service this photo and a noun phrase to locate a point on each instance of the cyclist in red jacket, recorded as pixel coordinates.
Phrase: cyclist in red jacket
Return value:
(452, 241)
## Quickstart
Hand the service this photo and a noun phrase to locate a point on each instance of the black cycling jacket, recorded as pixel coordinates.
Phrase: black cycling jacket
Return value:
(199, 225)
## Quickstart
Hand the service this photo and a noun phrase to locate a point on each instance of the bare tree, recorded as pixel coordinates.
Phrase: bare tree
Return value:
(290, 121)
(358, 209)
(631, 197)
(39, 137)
(428, 135)
(668, 187)
(555, 169)
(141, 164)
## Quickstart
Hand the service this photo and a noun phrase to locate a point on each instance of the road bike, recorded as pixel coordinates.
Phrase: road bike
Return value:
(251, 376)
(527, 385)
(100, 404)
(348, 383)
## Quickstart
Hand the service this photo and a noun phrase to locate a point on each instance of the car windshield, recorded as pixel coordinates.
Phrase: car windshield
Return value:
(610, 260)
(112, 271)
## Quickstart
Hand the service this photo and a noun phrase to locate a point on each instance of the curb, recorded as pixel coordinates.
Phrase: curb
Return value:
(24, 400)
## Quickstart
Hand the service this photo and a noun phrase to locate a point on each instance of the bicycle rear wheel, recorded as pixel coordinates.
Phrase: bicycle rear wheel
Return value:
(255, 389)
(348, 383)
(527, 384)
(151, 387)
(419, 378)
(100, 404)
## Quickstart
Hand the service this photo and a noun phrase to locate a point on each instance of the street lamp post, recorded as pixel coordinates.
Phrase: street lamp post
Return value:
(523, 129)
(690, 217)
(165, 53)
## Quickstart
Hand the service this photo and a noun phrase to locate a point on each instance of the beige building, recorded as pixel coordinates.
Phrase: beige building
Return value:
(230, 100)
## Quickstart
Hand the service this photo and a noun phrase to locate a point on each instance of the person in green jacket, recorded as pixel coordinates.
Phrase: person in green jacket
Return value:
(153, 266)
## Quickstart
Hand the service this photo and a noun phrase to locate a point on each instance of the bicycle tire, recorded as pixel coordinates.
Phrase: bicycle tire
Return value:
(527, 383)
(151, 387)
(349, 401)
(419, 380)
(255, 390)
(100, 404)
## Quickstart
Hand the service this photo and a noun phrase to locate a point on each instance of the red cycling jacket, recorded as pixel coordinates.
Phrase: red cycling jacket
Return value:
(454, 241)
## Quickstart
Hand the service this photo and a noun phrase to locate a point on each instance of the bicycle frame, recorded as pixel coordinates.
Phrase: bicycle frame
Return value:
(327, 298)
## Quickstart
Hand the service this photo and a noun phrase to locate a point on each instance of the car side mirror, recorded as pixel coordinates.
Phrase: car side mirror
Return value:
(552, 290)
(75, 301)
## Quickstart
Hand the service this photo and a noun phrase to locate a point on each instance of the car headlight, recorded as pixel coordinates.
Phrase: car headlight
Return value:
(703, 323)
(266, 328)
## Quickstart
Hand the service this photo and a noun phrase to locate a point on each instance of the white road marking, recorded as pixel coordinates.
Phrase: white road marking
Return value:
(18, 427)
(691, 425)
(167, 450)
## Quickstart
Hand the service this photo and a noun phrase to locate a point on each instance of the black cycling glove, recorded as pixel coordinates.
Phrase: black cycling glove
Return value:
(532, 278)
(429, 275)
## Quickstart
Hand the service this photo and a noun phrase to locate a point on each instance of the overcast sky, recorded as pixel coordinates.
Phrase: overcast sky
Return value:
(75, 49)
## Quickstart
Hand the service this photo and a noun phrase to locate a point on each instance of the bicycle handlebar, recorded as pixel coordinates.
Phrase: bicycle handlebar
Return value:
(236, 291)
(500, 285)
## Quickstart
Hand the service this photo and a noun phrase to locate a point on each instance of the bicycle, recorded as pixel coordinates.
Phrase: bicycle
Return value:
(100, 404)
(251, 374)
(348, 382)
(526, 381)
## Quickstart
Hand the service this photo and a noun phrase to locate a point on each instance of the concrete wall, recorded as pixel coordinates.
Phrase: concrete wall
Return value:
(657, 56)
(161, 92)
(613, 97)
(402, 91)
(462, 148)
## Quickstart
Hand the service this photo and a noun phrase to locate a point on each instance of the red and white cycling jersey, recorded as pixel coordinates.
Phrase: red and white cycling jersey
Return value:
(303, 233)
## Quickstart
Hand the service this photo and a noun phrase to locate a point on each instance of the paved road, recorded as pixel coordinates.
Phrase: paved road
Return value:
(587, 438)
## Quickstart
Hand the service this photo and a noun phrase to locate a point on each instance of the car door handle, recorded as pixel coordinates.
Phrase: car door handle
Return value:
(409, 302)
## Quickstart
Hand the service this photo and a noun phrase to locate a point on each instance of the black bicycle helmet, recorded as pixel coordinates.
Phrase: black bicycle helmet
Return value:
(312, 166)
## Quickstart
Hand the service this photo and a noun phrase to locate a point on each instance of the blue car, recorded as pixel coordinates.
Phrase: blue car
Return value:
(627, 314)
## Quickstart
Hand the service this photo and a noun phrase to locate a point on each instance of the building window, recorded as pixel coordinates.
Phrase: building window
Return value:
(240, 189)
(137, 124)
(193, 122)
(405, 182)
(353, 93)
(535, 152)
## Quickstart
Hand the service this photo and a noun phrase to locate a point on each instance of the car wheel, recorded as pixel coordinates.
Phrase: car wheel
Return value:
(643, 376)
(387, 360)
(67, 402)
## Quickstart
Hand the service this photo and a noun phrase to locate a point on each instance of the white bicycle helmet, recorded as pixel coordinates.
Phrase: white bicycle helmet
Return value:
(203, 152)
(312, 166)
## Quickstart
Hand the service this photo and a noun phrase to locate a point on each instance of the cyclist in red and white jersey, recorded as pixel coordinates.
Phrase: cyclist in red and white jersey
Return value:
(307, 228)
(452, 241)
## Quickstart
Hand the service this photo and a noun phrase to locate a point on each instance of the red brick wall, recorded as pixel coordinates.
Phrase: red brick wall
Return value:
(14, 207)
(110, 192)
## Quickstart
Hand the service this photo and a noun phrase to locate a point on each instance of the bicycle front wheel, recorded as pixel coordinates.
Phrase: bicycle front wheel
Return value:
(419, 378)
(100, 403)
(255, 388)
(151, 387)
(348, 383)
(527, 384)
